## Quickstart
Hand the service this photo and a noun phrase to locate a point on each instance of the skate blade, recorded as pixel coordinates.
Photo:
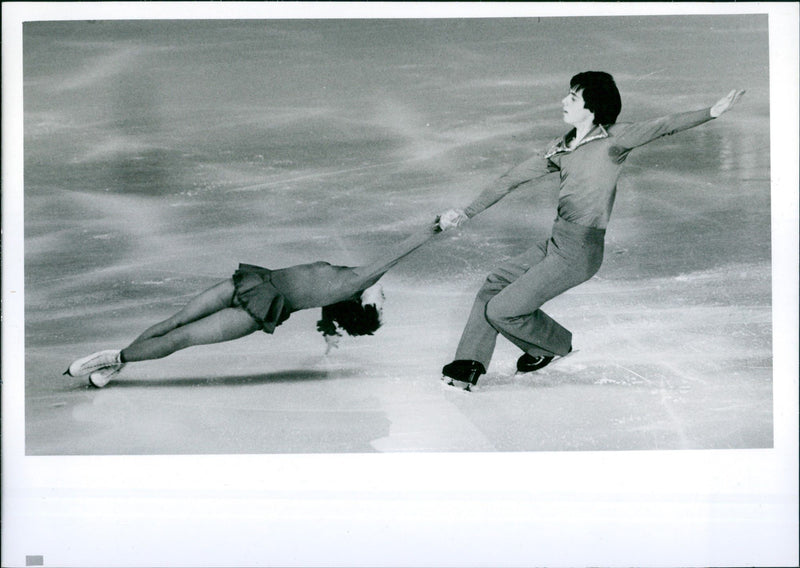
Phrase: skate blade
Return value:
(454, 385)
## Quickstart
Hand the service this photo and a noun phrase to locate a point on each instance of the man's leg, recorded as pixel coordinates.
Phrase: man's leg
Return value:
(479, 337)
(515, 312)
(574, 255)
(224, 325)
(207, 302)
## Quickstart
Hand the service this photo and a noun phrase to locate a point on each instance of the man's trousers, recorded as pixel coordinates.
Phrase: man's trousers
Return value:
(511, 297)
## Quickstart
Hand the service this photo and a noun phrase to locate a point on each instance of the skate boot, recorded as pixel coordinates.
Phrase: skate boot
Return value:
(101, 377)
(463, 373)
(529, 363)
(94, 362)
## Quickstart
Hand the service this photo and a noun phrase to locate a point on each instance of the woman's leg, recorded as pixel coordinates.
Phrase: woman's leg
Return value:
(212, 300)
(223, 325)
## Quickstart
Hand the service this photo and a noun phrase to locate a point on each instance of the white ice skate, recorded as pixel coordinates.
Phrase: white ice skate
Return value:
(101, 377)
(94, 362)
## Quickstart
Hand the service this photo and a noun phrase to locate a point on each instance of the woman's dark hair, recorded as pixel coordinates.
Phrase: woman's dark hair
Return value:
(351, 316)
(600, 95)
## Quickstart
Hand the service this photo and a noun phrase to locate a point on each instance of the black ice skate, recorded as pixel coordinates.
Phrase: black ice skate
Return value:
(463, 373)
(529, 363)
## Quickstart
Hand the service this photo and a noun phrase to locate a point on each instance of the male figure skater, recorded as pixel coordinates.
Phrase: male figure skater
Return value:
(589, 160)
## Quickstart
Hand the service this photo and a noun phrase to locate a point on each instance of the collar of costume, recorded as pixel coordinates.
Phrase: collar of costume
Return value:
(560, 145)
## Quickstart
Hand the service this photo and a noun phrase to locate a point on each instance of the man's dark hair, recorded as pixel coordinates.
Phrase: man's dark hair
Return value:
(600, 95)
(351, 316)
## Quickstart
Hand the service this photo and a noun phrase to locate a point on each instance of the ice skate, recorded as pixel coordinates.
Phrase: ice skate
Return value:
(101, 377)
(462, 373)
(530, 363)
(94, 362)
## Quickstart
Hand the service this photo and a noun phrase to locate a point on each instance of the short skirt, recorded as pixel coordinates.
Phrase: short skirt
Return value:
(257, 295)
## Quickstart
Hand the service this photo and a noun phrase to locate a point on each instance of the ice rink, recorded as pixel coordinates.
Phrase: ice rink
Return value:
(160, 154)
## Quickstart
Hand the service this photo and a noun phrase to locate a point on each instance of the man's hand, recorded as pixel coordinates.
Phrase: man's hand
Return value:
(726, 103)
(451, 219)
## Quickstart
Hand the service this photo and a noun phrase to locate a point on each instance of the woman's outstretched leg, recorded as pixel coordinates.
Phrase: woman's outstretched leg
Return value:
(218, 297)
(223, 325)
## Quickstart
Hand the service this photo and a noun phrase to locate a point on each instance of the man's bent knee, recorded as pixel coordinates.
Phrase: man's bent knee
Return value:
(499, 317)
(492, 286)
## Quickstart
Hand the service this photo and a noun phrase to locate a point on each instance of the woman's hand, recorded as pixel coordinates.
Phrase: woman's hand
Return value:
(726, 103)
(451, 219)
(331, 342)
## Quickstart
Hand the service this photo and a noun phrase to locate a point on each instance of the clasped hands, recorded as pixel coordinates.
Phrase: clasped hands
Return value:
(450, 219)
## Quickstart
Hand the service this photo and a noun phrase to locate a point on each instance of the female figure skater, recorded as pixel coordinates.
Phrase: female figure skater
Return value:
(589, 159)
(258, 298)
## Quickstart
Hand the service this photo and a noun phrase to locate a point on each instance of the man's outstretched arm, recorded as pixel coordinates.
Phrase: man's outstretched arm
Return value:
(531, 169)
(633, 135)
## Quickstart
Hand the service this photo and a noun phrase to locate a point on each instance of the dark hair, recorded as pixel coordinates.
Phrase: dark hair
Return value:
(351, 316)
(600, 95)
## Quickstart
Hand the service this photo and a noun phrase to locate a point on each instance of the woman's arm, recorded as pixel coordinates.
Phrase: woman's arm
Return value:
(372, 272)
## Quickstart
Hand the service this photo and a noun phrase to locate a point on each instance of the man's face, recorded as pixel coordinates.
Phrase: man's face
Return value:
(574, 110)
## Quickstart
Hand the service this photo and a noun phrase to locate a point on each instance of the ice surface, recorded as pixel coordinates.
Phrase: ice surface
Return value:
(158, 155)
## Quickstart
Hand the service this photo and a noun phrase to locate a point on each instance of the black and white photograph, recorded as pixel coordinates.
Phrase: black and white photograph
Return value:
(161, 155)
(443, 271)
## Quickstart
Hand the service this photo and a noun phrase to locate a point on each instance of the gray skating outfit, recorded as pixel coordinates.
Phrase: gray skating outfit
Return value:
(511, 297)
